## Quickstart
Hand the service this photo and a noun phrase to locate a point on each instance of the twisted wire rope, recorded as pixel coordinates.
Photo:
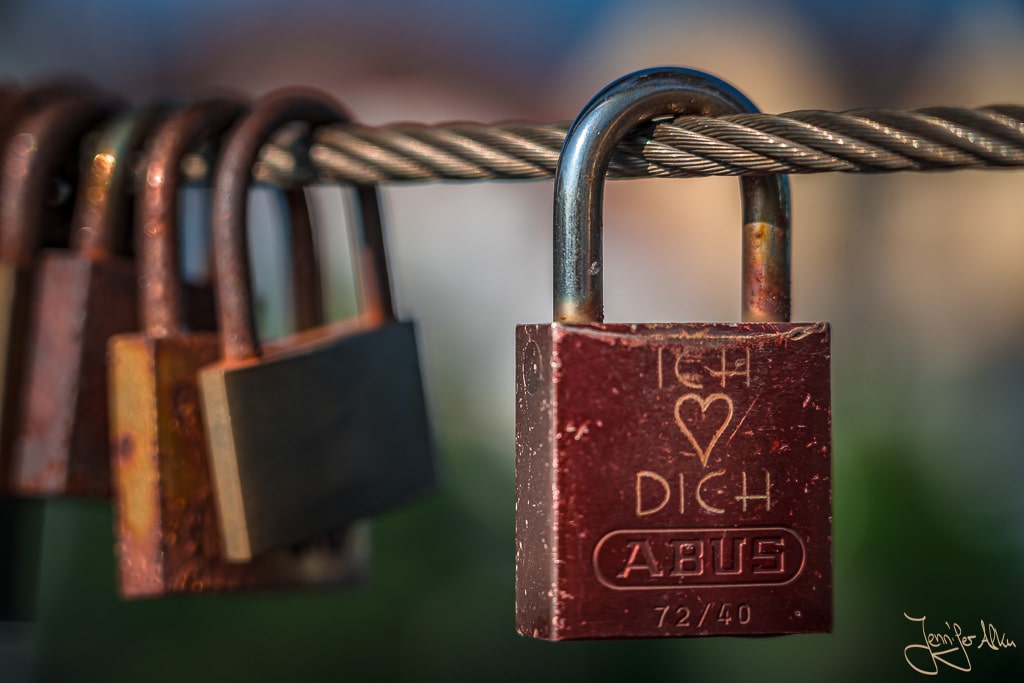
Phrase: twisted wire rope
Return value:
(810, 141)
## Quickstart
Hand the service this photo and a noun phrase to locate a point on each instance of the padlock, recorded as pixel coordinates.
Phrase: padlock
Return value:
(59, 193)
(40, 142)
(317, 429)
(81, 297)
(671, 479)
(166, 517)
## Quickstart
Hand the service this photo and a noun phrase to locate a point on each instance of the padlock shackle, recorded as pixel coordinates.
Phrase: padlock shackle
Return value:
(230, 192)
(161, 300)
(307, 287)
(162, 297)
(579, 193)
(100, 224)
(16, 102)
(40, 140)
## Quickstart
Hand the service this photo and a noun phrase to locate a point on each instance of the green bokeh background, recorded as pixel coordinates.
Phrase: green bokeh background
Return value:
(440, 605)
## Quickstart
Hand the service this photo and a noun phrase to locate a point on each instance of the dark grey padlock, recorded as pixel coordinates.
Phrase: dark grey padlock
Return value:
(320, 428)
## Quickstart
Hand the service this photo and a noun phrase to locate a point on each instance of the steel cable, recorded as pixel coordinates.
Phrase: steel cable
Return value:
(858, 141)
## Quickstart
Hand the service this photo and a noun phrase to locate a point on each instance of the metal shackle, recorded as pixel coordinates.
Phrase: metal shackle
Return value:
(100, 224)
(231, 185)
(16, 103)
(39, 142)
(161, 300)
(579, 193)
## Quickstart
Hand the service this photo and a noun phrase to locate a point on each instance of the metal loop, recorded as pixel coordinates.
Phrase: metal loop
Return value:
(579, 192)
(39, 142)
(100, 225)
(233, 177)
(161, 300)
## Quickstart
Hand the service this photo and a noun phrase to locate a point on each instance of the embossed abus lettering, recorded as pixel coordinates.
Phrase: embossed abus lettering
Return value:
(652, 559)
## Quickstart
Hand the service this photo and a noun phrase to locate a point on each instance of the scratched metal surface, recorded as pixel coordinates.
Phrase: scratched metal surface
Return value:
(673, 480)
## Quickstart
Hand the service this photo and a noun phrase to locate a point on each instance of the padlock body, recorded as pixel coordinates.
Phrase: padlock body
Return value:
(673, 480)
(15, 299)
(166, 516)
(61, 443)
(329, 426)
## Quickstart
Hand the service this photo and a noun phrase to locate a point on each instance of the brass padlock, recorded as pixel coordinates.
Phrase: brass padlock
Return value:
(82, 296)
(41, 141)
(168, 535)
(318, 429)
(671, 479)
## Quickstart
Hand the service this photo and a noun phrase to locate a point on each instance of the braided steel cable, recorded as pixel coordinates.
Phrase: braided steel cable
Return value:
(812, 141)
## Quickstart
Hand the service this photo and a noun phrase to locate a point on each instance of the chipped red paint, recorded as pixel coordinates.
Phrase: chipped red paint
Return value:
(673, 480)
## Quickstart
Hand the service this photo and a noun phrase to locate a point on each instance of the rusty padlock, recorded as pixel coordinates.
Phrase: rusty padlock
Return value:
(168, 535)
(82, 296)
(671, 479)
(317, 429)
(41, 142)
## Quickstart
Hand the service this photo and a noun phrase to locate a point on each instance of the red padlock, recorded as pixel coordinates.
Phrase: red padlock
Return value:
(671, 479)
(82, 296)
(43, 139)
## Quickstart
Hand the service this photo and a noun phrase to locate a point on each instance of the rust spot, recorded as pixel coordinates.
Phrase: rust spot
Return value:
(125, 449)
(185, 399)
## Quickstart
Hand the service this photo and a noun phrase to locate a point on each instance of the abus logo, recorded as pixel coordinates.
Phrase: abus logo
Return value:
(639, 559)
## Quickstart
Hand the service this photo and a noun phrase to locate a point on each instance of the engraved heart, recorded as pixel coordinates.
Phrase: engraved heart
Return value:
(704, 403)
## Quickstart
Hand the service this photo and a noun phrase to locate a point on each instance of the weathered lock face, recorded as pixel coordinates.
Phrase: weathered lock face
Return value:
(167, 528)
(286, 455)
(673, 480)
(61, 442)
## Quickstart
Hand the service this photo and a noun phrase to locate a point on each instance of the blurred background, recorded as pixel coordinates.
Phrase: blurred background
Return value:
(919, 274)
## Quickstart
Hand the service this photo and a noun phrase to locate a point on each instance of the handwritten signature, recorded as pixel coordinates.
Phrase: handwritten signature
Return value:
(951, 647)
